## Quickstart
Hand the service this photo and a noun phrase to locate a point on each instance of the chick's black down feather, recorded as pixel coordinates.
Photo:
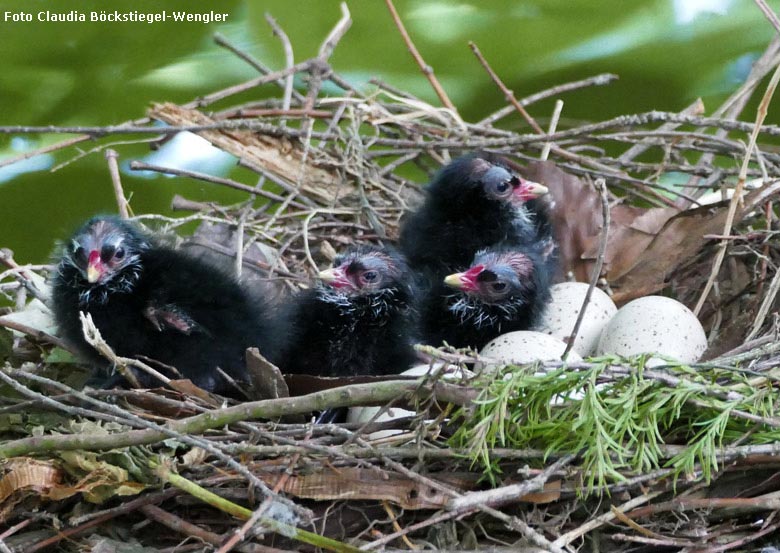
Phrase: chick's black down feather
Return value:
(152, 301)
(358, 321)
(474, 202)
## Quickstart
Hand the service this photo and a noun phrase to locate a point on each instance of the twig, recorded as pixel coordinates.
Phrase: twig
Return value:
(345, 396)
(289, 62)
(35, 333)
(696, 108)
(509, 493)
(766, 305)
(601, 520)
(597, 80)
(113, 169)
(737, 197)
(165, 430)
(551, 129)
(251, 60)
(426, 69)
(509, 96)
(601, 186)
(255, 190)
(769, 13)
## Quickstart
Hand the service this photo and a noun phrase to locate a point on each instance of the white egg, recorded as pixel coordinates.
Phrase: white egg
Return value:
(364, 414)
(561, 314)
(525, 346)
(654, 324)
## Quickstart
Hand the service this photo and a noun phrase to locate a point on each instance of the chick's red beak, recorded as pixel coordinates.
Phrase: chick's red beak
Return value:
(466, 281)
(336, 277)
(95, 267)
(528, 190)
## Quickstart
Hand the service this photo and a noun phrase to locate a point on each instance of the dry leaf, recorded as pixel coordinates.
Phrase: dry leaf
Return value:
(375, 484)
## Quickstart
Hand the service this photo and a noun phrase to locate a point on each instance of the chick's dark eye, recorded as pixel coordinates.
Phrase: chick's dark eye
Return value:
(499, 286)
(119, 253)
(370, 276)
(503, 187)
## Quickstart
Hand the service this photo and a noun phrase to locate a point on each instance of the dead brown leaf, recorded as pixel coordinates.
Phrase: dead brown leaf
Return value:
(678, 241)
(376, 484)
(644, 246)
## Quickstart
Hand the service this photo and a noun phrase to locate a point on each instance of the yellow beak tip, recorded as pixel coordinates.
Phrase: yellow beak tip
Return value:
(454, 280)
(326, 275)
(92, 275)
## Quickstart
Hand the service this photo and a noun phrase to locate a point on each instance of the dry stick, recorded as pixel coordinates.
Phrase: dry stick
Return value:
(189, 529)
(509, 96)
(141, 166)
(22, 275)
(551, 129)
(39, 335)
(86, 133)
(319, 66)
(179, 525)
(696, 108)
(345, 396)
(601, 186)
(61, 407)
(259, 513)
(769, 14)
(766, 305)
(597, 80)
(134, 420)
(632, 120)
(568, 537)
(462, 505)
(737, 197)
(505, 494)
(736, 102)
(424, 67)
(251, 60)
(128, 507)
(289, 61)
(113, 169)
(64, 534)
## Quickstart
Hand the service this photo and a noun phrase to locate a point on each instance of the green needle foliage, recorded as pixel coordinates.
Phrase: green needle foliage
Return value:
(618, 417)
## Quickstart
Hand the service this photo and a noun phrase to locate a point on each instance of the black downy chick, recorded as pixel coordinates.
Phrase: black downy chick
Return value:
(503, 290)
(473, 203)
(152, 301)
(358, 321)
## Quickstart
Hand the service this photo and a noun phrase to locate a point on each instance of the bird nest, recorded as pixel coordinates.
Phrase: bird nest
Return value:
(603, 453)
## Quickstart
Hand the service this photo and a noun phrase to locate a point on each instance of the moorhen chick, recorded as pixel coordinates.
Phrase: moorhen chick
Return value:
(359, 320)
(150, 300)
(504, 289)
(474, 202)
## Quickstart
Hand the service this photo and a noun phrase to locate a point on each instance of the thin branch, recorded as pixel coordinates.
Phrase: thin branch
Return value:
(769, 13)
(737, 197)
(119, 193)
(426, 69)
(289, 61)
(597, 80)
(601, 187)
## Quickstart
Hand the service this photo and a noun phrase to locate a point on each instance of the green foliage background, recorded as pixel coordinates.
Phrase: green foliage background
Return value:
(96, 74)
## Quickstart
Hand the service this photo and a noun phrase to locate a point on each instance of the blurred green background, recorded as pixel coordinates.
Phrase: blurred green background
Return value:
(666, 52)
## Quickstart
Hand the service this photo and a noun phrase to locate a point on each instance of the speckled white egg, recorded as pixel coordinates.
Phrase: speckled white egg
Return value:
(364, 414)
(561, 314)
(525, 346)
(654, 324)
